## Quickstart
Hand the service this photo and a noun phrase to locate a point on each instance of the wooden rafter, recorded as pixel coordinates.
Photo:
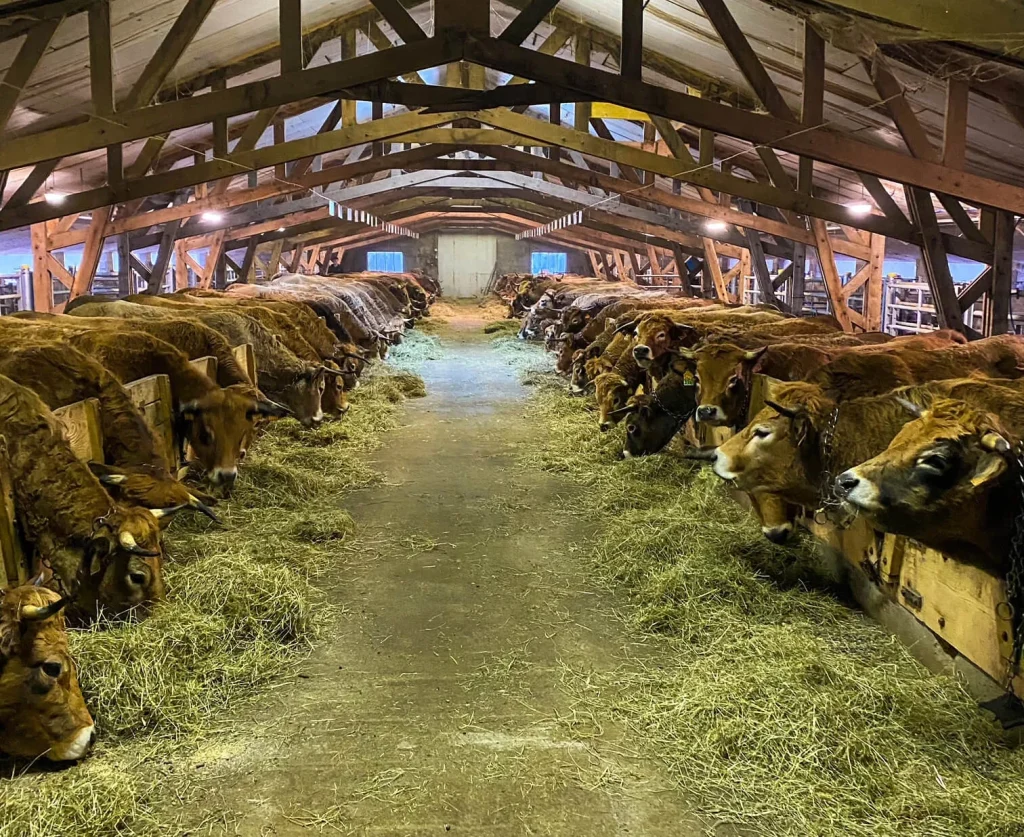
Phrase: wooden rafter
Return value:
(401, 21)
(527, 20)
(25, 62)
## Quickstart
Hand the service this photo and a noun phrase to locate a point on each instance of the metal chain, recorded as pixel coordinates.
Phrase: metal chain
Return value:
(1015, 571)
(827, 496)
(679, 417)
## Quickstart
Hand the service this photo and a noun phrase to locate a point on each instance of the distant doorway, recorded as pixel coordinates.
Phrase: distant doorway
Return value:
(549, 263)
(385, 261)
(465, 263)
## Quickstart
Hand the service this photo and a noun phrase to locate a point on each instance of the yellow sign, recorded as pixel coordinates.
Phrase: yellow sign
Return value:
(604, 110)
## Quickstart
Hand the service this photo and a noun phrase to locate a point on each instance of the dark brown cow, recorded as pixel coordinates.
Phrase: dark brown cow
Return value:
(42, 711)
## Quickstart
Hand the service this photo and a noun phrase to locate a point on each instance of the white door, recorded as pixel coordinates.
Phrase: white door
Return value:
(465, 263)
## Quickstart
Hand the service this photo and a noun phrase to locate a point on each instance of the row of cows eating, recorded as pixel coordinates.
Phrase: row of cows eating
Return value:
(93, 530)
(920, 435)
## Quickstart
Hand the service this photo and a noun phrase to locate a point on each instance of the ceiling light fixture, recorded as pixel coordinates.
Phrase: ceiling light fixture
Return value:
(716, 226)
(859, 209)
(282, 229)
(212, 217)
(55, 198)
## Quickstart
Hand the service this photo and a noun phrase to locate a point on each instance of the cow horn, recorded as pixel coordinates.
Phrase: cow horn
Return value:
(909, 406)
(31, 613)
(782, 411)
(113, 479)
(701, 454)
(272, 408)
(352, 355)
(199, 505)
(326, 370)
(994, 442)
(127, 540)
(622, 411)
(168, 512)
(686, 354)
(622, 329)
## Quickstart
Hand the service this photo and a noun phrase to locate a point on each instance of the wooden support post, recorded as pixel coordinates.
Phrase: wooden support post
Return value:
(472, 17)
(274, 265)
(395, 14)
(813, 97)
(91, 253)
(997, 317)
(279, 137)
(290, 14)
(42, 284)
(296, 261)
(101, 73)
(954, 138)
(713, 279)
(220, 124)
(25, 62)
(245, 274)
(180, 266)
(947, 306)
(797, 284)
(348, 51)
(163, 258)
(873, 289)
(760, 267)
(582, 55)
(214, 259)
(634, 264)
(830, 274)
(124, 264)
(631, 55)
(377, 112)
(595, 264)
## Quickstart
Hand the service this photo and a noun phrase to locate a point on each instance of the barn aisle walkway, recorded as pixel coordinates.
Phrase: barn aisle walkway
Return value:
(437, 705)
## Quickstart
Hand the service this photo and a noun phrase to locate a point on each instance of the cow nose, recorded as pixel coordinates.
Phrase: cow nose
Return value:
(642, 352)
(846, 482)
(605, 426)
(705, 413)
(224, 476)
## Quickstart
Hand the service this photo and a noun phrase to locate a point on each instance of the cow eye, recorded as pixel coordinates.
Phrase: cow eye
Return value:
(734, 382)
(661, 335)
(933, 462)
(52, 669)
(632, 429)
(762, 432)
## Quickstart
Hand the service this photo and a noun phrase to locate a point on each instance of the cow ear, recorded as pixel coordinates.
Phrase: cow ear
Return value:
(189, 410)
(680, 331)
(990, 467)
(803, 429)
(754, 354)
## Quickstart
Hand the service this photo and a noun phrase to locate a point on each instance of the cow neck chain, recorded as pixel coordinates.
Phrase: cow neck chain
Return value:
(827, 496)
(1015, 572)
(682, 418)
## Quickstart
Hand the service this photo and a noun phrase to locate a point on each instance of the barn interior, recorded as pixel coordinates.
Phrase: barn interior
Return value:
(330, 364)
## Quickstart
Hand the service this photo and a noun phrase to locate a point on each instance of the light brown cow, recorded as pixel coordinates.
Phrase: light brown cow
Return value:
(42, 711)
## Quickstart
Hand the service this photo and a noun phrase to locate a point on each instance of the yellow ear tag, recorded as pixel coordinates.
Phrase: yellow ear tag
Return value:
(688, 379)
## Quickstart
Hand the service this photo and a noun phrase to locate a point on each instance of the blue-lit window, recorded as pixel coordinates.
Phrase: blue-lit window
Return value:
(548, 263)
(385, 261)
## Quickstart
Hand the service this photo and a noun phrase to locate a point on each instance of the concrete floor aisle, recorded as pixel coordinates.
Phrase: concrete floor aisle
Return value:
(437, 703)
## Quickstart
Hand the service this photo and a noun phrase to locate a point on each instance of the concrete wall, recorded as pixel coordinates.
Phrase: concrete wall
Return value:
(421, 254)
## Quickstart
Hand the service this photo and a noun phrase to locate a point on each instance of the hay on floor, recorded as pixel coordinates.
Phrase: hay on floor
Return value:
(780, 709)
(242, 611)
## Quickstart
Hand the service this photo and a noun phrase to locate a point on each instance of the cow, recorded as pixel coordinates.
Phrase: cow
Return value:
(872, 373)
(139, 471)
(42, 711)
(217, 423)
(950, 479)
(653, 420)
(105, 555)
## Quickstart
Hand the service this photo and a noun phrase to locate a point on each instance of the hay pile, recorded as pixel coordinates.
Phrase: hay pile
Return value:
(509, 328)
(243, 610)
(779, 709)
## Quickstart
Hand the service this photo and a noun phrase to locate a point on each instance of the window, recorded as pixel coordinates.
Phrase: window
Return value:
(385, 261)
(548, 263)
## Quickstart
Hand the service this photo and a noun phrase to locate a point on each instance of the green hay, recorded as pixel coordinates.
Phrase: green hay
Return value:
(242, 612)
(417, 347)
(433, 325)
(509, 328)
(779, 709)
(525, 357)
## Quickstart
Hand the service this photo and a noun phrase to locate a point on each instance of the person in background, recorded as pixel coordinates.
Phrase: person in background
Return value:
(333, 265)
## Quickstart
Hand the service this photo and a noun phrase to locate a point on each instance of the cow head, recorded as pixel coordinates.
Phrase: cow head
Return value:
(219, 427)
(772, 453)
(656, 335)
(335, 397)
(938, 478)
(723, 381)
(651, 423)
(613, 394)
(574, 320)
(152, 488)
(775, 515)
(42, 711)
(304, 395)
(122, 566)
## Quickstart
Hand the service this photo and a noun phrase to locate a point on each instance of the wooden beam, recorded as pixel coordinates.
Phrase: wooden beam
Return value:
(824, 144)
(101, 70)
(947, 306)
(460, 16)
(558, 38)
(712, 263)
(91, 253)
(760, 267)
(527, 20)
(124, 265)
(873, 291)
(631, 54)
(245, 274)
(220, 124)
(213, 259)
(60, 272)
(795, 289)
(29, 186)
(997, 317)
(381, 42)
(163, 257)
(25, 62)
(401, 21)
(813, 102)
(141, 122)
(954, 135)
(290, 28)
(42, 284)
(830, 274)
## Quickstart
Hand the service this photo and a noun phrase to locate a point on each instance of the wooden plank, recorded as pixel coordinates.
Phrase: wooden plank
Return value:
(20, 71)
(997, 320)
(460, 16)
(631, 53)
(91, 254)
(59, 271)
(873, 290)
(13, 569)
(954, 136)
(153, 398)
(760, 267)
(401, 21)
(83, 428)
(246, 357)
(42, 285)
(963, 605)
(290, 29)
(813, 101)
(712, 263)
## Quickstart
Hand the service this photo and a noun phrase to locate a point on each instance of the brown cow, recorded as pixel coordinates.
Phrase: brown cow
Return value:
(106, 555)
(42, 711)
(949, 479)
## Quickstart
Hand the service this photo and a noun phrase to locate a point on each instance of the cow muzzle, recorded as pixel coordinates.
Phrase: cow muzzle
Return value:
(709, 413)
(778, 534)
(856, 490)
(643, 355)
(73, 748)
(224, 477)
